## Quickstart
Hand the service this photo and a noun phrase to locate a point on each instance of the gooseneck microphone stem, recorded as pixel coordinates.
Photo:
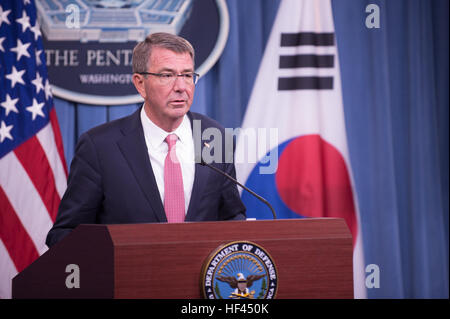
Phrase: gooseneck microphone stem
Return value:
(236, 182)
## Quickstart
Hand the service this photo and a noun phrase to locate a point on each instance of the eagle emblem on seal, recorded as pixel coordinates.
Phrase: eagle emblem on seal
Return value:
(241, 285)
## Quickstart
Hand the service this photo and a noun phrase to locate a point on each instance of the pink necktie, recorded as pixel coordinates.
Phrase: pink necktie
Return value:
(173, 184)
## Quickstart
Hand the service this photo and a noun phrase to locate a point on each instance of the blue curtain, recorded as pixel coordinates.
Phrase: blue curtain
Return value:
(395, 89)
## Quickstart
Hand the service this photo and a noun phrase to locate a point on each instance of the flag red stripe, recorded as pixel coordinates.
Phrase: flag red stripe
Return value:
(32, 157)
(20, 246)
(58, 138)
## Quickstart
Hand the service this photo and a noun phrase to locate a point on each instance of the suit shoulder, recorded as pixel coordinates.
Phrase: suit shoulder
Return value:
(113, 128)
(206, 121)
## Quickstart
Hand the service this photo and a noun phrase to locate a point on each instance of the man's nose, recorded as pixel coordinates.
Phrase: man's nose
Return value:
(179, 84)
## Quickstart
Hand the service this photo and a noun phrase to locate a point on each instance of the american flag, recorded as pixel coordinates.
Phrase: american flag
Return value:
(33, 173)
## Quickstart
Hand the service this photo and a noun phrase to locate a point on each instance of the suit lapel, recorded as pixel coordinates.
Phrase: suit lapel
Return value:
(201, 172)
(201, 176)
(134, 149)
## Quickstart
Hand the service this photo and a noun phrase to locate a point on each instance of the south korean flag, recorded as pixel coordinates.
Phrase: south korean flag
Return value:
(305, 171)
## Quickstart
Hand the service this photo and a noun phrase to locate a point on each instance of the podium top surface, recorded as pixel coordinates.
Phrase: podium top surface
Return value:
(217, 231)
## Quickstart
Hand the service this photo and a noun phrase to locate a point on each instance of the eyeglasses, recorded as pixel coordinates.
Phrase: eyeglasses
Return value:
(169, 78)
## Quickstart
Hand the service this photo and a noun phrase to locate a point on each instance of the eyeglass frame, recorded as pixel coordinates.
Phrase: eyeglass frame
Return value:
(195, 78)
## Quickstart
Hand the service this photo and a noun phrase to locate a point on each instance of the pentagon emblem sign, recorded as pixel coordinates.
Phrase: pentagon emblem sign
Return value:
(239, 270)
(89, 43)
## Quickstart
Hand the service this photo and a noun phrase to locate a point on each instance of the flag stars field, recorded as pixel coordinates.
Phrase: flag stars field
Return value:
(37, 82)
(4, 16)
(36, 109)
(16, 77)
(10, 105)
(47, 90)
(5, 131)
(2, 49)
(36, 30)
(24, 21)
(21, 49)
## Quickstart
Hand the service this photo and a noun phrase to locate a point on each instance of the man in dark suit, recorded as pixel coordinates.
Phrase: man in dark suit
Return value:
(145, 167)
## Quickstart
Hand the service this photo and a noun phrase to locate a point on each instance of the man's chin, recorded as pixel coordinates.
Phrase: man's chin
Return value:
(178, 111)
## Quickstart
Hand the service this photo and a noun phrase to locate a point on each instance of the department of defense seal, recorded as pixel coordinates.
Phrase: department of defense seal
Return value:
(239, 270)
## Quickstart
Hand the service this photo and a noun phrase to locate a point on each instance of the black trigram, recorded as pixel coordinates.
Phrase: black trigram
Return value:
(306, 61)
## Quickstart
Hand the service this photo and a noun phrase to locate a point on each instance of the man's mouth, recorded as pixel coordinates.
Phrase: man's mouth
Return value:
(178, 102)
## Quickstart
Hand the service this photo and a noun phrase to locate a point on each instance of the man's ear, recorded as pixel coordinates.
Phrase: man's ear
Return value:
(138, 81)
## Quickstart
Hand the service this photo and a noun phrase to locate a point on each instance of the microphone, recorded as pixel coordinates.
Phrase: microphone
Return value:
(262, 199)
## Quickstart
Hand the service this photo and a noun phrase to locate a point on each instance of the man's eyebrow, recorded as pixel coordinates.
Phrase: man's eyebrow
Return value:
(173, 71)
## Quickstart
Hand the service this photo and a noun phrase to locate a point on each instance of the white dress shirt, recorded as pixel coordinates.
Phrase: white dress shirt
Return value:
(157, 150)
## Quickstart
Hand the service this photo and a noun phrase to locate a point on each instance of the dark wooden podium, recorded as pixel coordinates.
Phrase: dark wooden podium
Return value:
(313, 258)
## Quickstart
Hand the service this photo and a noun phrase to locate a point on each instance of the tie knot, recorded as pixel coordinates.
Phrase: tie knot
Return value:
(171, 140)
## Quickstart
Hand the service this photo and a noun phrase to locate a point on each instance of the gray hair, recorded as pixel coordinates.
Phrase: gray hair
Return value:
(143, 50)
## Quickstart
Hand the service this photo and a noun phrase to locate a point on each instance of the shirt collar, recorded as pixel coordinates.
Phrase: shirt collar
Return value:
(156, 135)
